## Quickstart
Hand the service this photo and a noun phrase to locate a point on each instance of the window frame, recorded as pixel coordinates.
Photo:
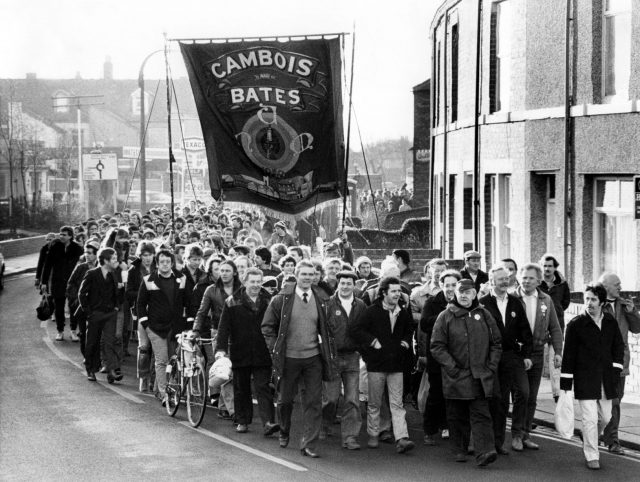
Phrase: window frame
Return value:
(612, 13)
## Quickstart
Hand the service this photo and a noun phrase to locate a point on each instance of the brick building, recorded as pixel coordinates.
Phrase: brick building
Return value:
(421, 144)
(523, 172)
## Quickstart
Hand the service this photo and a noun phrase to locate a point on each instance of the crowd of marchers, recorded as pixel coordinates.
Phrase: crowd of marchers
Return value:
(312, 325)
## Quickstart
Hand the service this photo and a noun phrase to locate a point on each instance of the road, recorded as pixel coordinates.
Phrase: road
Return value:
(55, 425)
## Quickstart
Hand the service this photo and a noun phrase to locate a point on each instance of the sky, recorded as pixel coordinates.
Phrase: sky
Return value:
(57, 39)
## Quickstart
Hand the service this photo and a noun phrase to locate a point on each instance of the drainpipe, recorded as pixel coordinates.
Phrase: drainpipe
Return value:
(476, 138)
(568, 154)
(445, 120)
(432, 134)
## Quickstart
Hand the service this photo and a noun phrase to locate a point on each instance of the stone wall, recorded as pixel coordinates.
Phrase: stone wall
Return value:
(21, 247)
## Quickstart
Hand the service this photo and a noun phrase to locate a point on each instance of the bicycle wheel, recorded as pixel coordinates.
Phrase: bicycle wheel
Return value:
(196, 395)
(174, 386)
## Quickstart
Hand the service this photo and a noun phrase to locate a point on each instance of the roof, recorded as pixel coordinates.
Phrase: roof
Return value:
(426, 85)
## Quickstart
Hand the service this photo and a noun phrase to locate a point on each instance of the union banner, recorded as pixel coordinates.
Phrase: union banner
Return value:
(271, 117)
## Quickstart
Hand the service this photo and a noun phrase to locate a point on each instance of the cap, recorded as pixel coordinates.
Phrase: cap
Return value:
(280, 224)
(93, 243)
(270, 282)
(471, 254)
(465, 284)
(362, 259)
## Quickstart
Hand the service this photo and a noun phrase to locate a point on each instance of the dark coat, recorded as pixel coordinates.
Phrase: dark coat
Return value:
(42, 258)
(210, 309)
(134, 280)
(593, 358)
(432, 308)
(468, 346)
(560, 294)
(341, 324)
(546, 328)
(240, 333)
(91, 292)
(481, 279)
(375, 324)
(156, 311)
(59, 265)
(515, 331)
(73, 286)
(275, 326)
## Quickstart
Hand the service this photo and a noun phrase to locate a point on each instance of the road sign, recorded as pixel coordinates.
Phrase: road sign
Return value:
(636, 196)
(100, 167)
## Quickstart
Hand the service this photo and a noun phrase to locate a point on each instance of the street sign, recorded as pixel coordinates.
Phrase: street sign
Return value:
(636, 196)
(100, 167)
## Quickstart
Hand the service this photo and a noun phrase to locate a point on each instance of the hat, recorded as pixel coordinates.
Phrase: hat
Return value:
(471, 254)
(280, 224)
(465, 284)
(270, 282)
(362, 259)
(94, 244)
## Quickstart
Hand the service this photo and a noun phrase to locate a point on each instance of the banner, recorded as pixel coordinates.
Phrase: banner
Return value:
(271, 117)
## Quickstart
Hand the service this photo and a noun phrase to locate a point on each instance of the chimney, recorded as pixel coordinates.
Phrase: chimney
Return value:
(31, 76)
(78, 75)
(108, 69)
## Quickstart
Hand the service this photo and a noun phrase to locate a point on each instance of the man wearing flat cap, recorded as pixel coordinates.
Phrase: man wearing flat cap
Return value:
(466, 342)
(472, 270)
(280, 235)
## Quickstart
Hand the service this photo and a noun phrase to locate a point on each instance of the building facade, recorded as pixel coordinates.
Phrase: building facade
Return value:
(555, 149)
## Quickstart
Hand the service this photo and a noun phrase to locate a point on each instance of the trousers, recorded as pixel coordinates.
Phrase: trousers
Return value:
(466, 416)
(394, 384)
(101, 326)
(595, 415)
(348, 370)
(243, 403)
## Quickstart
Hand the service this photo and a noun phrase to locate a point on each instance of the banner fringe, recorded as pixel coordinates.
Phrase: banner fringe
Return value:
(291, 218)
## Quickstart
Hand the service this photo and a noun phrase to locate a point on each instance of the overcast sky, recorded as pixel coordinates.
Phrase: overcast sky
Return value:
(56, 39)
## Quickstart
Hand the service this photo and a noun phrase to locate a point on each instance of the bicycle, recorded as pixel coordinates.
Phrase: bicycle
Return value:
(187, 377)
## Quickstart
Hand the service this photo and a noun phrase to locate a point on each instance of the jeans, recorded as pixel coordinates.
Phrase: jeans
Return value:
(534, 375)
(512, 379)
(58, 305)
(348, 375)
(309, 371)
(394, 384)
(101, 326)
(161, 352)
(243, 403)
(466, 416)
(592, 411)
(144, 354)
(435, 410)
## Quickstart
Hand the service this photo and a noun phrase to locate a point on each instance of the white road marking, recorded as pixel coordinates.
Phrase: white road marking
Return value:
(246, 448)
(64, 357)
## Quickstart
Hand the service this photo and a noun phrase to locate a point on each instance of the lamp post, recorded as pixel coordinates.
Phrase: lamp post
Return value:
(143, 158)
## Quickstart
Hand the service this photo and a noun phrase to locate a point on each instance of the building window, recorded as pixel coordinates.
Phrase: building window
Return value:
(61, 102)
(615, 237)
(616, 49)
(500, 216)
(454, 73)
(436, 107)
(551, 214)
(500, 57)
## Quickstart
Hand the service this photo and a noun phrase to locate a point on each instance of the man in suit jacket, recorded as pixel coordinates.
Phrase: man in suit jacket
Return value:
(472, 270)
(543, 321)
(593, 356)
(628, 320)
(517, 342)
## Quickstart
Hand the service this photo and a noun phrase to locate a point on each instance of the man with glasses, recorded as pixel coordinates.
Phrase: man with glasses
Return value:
(61, 259)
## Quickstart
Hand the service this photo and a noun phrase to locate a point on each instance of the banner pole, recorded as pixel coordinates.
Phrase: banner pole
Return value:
(346, 161)
(171, 158)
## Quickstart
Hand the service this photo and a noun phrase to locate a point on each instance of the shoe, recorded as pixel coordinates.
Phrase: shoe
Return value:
(351, 444)
(386, 437)
(530, 444)
(143, 385)
(615, 448)
(74, 337)
(270, 429)
(486, 459)
(307, 452)
(103, 369)
(461, 457)
(113, 376)
(593, 464)
(373, 442)
(59, 336)
(404, 445)
(445, 434)
(502, 451)
(242, 428)
(119, 375)
(516, 444)
(283, 440)
(224, 415)
(91, 376)
(429, 440)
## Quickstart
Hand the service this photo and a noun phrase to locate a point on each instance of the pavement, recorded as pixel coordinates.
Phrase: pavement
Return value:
(629, 429)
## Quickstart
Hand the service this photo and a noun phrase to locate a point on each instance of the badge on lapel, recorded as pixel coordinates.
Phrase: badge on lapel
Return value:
(476, 316)
(513, 314)
(543, 308)
(338, 312)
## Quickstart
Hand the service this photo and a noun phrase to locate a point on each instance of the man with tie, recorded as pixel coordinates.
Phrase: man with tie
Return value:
(517, 341)
(344, 310)
(543, 321)
(302, 349)
(628, 320)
